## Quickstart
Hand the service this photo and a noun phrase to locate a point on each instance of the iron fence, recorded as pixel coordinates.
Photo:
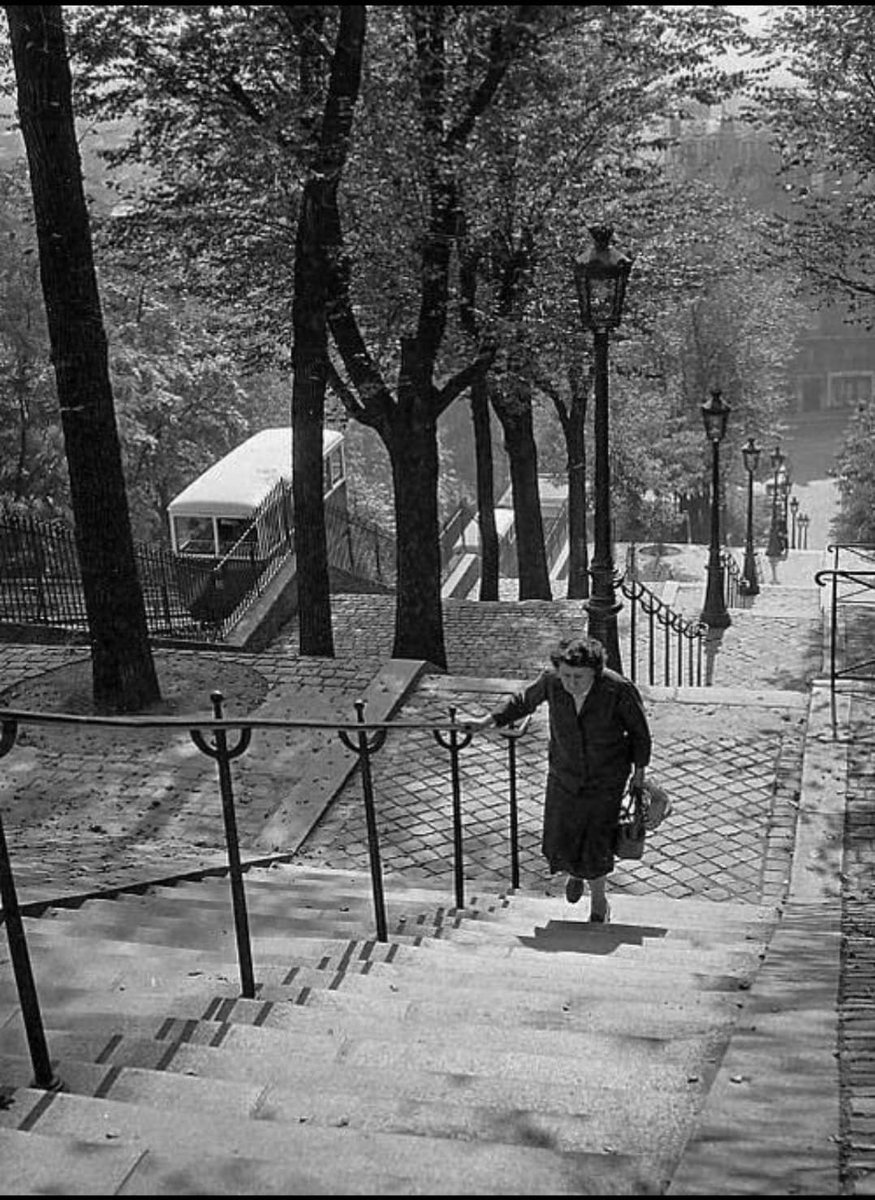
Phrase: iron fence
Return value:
(185, 596)
(734, 583)
(852, 588)
(41, 581)
(670, 642)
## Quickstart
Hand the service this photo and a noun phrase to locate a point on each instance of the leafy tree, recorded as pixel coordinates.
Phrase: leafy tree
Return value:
(180, 404)
(729, 321)
(855, 479)
(32, 467)
(124, 675)
(580, 136)
(817, 103)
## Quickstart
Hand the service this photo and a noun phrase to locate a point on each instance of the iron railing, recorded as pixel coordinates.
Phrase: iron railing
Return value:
(673, 640)
(556, 535)
(41, 581)
(213, 737)
(734, 583)
(451, 533)
(851, 587)
(186, 596)
(360, 547)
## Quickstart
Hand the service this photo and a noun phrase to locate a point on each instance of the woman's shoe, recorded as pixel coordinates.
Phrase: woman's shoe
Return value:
(601, 918)
(573, 889)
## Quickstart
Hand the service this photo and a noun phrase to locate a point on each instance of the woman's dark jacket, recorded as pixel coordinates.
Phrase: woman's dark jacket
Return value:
(599, 746)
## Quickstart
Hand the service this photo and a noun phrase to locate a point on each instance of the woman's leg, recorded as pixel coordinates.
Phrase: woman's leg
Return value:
(598, 898)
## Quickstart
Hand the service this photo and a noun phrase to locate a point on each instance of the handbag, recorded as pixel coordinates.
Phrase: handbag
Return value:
(657, 805)
(642, 810)
(631, 828)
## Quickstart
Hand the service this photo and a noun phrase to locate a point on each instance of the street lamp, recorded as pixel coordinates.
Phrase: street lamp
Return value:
(785, 484)
(774, 549)
(600, 280)
(715, 414)
(750, 452)
(794, 509)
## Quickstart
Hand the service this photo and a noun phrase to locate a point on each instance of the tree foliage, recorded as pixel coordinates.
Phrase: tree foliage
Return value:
(818, 105)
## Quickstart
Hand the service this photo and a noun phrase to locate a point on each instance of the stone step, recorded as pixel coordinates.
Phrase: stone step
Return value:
(484, 894)
(290, 1033)
(495, 940)
(305, 1159)
(272, 900)
(183, 933)
(272, 886)
(510, 917)
(34, 1165)
(147, 1015)
(272, 964)
(261, 1133)
(665, 1101)
(131, 972)
(306, 949)
(632, 909)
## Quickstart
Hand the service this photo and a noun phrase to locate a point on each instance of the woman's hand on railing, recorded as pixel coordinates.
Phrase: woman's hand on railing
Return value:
(476, 723)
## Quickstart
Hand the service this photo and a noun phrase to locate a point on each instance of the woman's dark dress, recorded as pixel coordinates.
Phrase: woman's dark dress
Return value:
(589, 759)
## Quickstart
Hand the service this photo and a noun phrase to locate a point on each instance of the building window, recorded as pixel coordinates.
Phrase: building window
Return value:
(850, 391)
(811, 393)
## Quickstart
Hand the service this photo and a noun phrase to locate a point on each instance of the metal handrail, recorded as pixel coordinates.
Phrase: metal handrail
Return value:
(734, 581)
(689, 633)
(363, 737)
(832, 575)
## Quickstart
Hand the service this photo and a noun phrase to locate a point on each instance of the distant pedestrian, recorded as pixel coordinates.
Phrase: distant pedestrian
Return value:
(599, 734)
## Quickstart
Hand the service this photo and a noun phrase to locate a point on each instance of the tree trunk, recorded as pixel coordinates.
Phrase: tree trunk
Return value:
(124, 676)
(519, 442)
(317, 242)
(578, 551)
(485, 491)
(419, 631)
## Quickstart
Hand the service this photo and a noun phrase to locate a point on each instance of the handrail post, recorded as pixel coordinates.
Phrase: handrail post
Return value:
(364, 749)
(833, 630)
(513, 735)
(454, 746)
(513, 814)
(43, 1076)
(223, 755)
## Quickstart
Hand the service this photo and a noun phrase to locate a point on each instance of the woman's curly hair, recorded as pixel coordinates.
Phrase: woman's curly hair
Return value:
(580, 652)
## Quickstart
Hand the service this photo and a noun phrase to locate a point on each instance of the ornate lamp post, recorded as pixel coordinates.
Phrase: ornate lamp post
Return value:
(750, 453)
(785, 483)
(794, 509)
(775, 549)
(600, 280)
(715, 414)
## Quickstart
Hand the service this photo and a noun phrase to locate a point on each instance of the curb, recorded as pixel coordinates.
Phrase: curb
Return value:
(771, 1122)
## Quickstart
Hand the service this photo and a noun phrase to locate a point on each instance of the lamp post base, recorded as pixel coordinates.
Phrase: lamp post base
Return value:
(715, 620)
(714, 612)
(602, 626)
(749, 574)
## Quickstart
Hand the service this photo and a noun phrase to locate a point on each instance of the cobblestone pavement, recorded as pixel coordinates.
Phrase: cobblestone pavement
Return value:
(730, 835)
(732, 767)
(732, 770)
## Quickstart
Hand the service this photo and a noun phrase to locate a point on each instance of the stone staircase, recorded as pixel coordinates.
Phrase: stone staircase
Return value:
(508, 1048)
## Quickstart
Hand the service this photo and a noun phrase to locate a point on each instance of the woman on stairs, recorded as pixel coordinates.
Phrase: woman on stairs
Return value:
(599, 733)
